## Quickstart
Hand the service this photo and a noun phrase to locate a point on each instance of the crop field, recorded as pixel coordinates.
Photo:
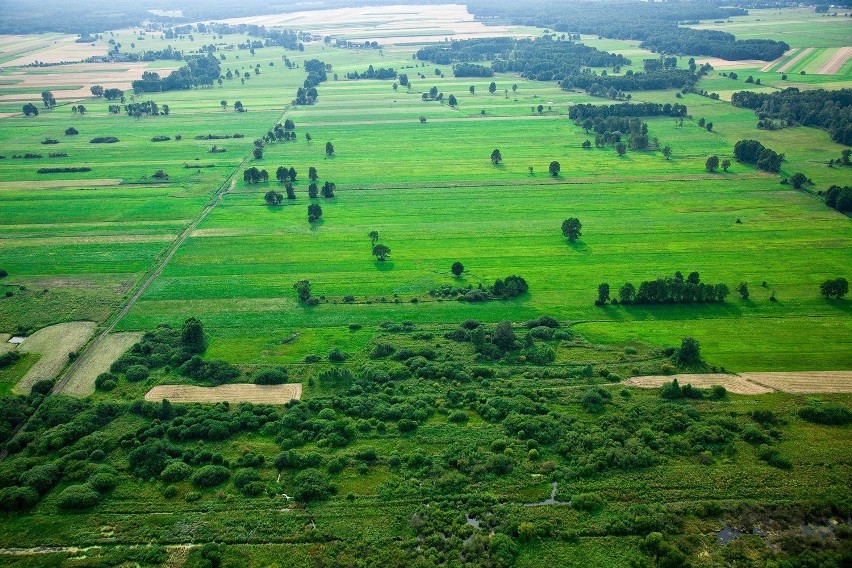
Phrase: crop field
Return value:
(206, 412)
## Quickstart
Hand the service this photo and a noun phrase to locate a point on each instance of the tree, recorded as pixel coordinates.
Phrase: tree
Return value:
(452, 101)
(554, 168)
(328, 189)
(381, 252)
(30, 110)
(303, 290)
(314, 212)
(472, 90)
(238, 106)
(47, 99)
(504, 336)
(712, 163)
(726, 164)
(571, 228)
(257, 153)
(308, 137)
(621, 148)
(690, 350)
(844, 157)
(224, 104)
(709, 127)
(192, 336)
(603, 293)
(742, 289)
(457, 268)
(798, 180)
(515, 88)
(496, 158)
(329, 149)
(311, 485)
(837, 288)
(272, 197)
(97, 91)
(627, 293)
(667, 151)
(586, 144)
(313, 190)
(374, 237)
(492, 88)
(312, 174)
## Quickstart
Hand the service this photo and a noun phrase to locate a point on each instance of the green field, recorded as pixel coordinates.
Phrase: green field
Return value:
(130, 251)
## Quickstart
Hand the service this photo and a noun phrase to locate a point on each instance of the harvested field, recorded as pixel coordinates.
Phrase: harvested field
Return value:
(103, 353)
(255, 394)
(801, 55)
(733, 383)
(718, 63)
(58, 184)
(804, 382)
(837, 61)
(53, 343)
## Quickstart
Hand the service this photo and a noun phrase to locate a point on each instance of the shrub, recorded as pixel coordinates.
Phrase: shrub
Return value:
(136, 373)
(382, 350)
(406, 425)
(62, 170)
(176, 471)
(41, 477)
(543, 321)
(587, 502)
(76, 497)
(245, 476)
(210, 476)
(829, 414)
(103, 482)
(160, 138)
(97, 455)
(170, 492)
(43, 387)
(273, 376)
(542, 332)
(337, 356)
(459, 417)
(106, 381)
(104, 140)
(17, 498)
(311, 485)
(71, 131)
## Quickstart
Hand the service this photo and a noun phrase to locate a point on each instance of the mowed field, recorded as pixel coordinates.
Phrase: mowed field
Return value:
(431, 192)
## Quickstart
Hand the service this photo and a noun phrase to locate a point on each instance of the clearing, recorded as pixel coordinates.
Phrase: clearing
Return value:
(97, 359)
(255, 394)
(53, 343)
(733, 383)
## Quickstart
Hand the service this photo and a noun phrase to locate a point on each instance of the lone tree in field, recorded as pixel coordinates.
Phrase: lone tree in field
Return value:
(472, 89)
(554, 168)
(452, 101)
(272, 197)
(621, 148)
(603, 294)
(712, 163)
(571, 228)
(303, 289)
(329, 149)
(314, 212)
(224, 104)
(312, 174)
(836, 288)
(798, 180)
(192, 336)
(48, 99)
(30, 110)
(374, 237)
(492, 88)
(690, 351)
(496, 158)
(667, 151)
(457, 268)
(381, 252)
(742, 289)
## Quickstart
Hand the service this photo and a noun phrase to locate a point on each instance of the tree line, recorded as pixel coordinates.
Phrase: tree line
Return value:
(581, 112)
(669, 290)
(753, 152)
(828, 110)
(199, 71)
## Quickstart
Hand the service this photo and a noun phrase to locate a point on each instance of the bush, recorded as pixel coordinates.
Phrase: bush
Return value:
(587, 502)
(245, 476)
(63, 170)
(136, 373)
(543, 321)
(41, 477)
(311, 485)
(337, 356)
(17, 498)
(104, 140)
(210, 476)
(273, 376)
(71, 131)
(76, 497)
(170, 492)
(829, 414)
(43, 387)
(97, 455)
(176, 471)
(382, 350)
(542, 332)
(106, 382)
(459, 417)
(406, 425)
(103, 482)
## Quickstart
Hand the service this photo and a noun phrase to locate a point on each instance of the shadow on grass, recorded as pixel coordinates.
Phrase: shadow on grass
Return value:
(385, 266)
(578, 246)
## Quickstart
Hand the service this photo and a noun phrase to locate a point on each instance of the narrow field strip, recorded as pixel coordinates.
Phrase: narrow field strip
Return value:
(804, 53)
(804, 382)
(772, 64)
(837, 61)
(255, 394)
(732, 383)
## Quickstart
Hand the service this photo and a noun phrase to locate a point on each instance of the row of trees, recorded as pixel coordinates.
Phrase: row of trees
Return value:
(753, 152)
(199, 71)
(669, 290)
